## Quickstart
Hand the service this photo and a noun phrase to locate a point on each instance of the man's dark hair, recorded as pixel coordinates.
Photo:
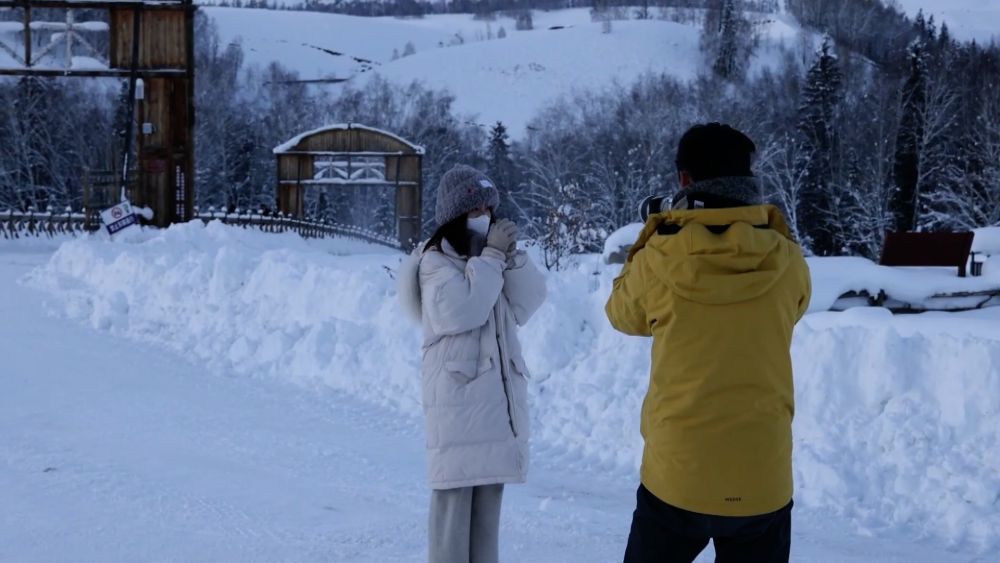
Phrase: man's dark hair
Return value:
(715, 150)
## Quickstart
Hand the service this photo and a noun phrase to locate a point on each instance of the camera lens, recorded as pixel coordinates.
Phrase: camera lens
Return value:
(650, 206)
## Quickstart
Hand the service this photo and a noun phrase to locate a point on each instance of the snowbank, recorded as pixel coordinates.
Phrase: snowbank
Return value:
(625, 236)
(987, 241)
(898, 419)
(833, 277)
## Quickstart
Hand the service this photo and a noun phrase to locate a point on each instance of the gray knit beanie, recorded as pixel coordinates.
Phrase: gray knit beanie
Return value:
(463, 189)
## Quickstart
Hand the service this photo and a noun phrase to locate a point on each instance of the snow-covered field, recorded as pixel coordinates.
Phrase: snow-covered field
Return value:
(897, 425)
(493, 79)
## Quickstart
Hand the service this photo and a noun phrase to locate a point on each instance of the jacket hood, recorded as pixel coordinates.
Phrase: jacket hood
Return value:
(718, 256)
(408, 280)
(408, 285)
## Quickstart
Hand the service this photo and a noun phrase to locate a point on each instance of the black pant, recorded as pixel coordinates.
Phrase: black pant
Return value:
(662, 533)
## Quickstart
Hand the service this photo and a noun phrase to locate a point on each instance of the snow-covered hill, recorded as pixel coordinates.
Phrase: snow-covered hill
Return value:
(897, 422)
(494, 79)
(967, 19)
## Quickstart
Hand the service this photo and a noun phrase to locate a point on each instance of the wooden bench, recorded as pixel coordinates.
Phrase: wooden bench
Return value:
(928, 249)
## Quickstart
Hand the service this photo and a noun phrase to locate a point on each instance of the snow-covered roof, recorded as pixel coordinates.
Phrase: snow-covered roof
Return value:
(294, 141)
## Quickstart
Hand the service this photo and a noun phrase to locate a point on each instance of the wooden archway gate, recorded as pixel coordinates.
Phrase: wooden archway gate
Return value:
(349, 154)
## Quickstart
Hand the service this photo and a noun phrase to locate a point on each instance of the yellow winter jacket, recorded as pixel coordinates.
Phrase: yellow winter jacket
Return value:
(720, 291)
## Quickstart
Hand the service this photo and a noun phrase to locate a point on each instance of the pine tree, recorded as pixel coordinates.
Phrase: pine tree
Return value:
(944, 38)
(913, 107)
(498, 152)
(726, 37)
(920, 22)
(726, 58)
(500, 166)
(821, 97)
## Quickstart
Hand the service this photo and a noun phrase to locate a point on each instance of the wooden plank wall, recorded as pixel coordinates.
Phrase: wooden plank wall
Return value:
(161, 39)
(353, 140)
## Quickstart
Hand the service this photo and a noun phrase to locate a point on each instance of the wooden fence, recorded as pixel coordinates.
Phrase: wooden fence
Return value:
(306, 228)
(17, 224)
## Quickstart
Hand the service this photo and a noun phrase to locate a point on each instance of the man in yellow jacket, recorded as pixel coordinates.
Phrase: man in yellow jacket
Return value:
(718, 282)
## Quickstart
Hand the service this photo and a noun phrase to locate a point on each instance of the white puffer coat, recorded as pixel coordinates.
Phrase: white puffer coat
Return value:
(474, 378)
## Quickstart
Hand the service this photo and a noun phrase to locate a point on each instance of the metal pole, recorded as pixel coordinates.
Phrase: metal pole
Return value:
(129, 126)
(70, 20)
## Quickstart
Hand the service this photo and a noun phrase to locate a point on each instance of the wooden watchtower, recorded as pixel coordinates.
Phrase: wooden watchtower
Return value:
(353, 156)
(150, 43)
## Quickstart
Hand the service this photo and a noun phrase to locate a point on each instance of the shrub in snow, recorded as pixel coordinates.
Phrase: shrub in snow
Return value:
(570, 227)
(524, 21)
(409, 49)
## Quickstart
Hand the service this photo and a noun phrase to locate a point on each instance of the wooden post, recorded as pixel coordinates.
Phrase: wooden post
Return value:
(188, 127)
(27, 34)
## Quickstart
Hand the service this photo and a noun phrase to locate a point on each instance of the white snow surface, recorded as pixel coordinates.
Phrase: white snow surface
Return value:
(987, 241)
(119, 450)
(967, 19)
(897, 430)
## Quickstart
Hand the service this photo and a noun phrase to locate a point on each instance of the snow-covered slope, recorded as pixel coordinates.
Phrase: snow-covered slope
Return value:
(507, 80)
(898, 418)
(967, 19)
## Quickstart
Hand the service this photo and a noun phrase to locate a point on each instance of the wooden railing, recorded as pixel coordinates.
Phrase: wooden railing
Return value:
(17, 224)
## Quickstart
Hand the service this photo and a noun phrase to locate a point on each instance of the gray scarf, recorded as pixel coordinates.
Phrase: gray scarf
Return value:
(745, 189)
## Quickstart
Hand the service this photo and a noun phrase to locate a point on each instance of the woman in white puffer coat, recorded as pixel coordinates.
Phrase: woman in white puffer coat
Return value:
(471, 288)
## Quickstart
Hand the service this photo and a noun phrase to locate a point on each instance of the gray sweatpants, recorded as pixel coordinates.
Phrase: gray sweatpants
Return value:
(464, 525)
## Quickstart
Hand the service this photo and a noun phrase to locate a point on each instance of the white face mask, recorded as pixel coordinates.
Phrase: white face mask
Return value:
(479, 225)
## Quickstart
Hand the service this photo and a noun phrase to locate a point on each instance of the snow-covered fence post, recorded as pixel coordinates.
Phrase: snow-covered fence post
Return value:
(47, 226)
(7, 225)
(32, 221)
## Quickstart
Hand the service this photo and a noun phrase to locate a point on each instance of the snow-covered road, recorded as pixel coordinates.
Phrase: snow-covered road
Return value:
(112, 450)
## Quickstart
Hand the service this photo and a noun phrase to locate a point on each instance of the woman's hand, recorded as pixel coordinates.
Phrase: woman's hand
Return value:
(503, 236)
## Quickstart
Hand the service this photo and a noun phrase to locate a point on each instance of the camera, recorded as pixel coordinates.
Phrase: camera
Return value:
(652, 205)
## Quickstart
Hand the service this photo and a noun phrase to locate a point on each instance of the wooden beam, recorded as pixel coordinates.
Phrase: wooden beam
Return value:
(346, 154)
(97, 4)
(109, 73)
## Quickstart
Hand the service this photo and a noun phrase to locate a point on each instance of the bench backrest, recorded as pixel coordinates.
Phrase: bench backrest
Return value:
(927, 249)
